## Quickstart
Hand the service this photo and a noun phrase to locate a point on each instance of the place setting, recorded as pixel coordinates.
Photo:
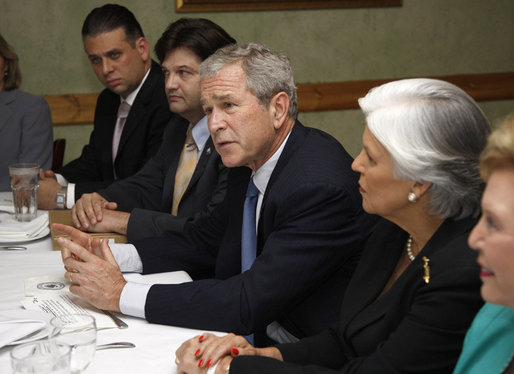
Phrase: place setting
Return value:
(20, 220)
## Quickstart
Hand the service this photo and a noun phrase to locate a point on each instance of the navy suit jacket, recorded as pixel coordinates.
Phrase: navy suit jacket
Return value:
(148, 194)
(310, 233)
(414, 327)
(140, 139)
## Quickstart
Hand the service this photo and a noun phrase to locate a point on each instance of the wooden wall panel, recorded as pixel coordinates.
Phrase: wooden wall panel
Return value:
(312, 97)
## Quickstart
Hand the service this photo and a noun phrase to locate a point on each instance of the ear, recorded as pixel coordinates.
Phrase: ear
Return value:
(279, 108)
(143, 48)
(420, 188)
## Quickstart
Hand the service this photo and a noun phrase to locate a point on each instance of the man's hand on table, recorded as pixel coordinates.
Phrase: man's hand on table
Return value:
(94, 213)
(47, 191)
(91, 268)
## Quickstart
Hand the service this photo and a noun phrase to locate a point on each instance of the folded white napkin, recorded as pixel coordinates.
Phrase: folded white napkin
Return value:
(11, 229)
(17, 325)
(6, 206)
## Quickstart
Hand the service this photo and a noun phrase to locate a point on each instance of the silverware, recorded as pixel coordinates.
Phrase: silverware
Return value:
(115, 345)
(13, 248)
(117, 321)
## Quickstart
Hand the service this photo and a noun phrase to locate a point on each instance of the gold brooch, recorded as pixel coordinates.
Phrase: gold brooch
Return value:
(426, 277)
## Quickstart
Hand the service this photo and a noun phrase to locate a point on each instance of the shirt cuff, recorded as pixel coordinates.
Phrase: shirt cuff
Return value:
(61, 180)
(127, 257)
(70, 195)
(133, 299)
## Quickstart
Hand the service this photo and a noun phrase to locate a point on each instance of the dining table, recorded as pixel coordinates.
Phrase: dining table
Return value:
(155, 344)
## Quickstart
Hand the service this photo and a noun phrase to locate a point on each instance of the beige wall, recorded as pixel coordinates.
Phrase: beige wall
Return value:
(421, 38)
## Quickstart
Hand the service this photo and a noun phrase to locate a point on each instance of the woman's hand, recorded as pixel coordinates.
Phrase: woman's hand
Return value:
(202, 352)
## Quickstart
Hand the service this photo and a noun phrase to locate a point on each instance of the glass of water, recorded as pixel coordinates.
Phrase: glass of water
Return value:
(42, 357)
(79, 332)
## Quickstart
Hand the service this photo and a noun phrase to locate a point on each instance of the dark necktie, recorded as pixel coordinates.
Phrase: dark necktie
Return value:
(249, 234)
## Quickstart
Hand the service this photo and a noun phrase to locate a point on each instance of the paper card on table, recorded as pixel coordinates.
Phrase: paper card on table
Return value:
(64, 217)
(52, 295)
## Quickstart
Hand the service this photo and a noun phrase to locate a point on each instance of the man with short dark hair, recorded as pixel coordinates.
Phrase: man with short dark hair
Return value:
(131, 112)
(164, 194)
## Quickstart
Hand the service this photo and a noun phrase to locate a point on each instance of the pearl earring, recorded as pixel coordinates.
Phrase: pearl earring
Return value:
(412, 197)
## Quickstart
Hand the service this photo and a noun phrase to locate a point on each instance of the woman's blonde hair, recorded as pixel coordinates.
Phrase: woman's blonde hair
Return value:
(499, 151)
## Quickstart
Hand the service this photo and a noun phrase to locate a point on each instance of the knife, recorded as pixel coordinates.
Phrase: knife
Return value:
(13, 248)
(117, 321)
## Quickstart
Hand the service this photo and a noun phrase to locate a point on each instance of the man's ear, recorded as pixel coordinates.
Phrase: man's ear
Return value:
(279, 108)
(143, 48)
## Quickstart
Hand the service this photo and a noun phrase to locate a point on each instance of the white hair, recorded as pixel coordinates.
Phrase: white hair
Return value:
(434, 133)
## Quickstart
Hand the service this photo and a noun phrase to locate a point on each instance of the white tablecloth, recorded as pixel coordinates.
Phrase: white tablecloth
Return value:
(155, 344)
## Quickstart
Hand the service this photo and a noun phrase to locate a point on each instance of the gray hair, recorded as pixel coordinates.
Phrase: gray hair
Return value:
(434, 133)
(267, 73)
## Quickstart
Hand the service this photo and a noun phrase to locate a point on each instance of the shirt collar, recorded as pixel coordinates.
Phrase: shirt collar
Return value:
(262, 176)
(201, 134)
(132, 96)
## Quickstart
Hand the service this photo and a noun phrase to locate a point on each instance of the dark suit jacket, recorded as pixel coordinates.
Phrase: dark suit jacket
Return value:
(26, 133)
(148, 195)
(413, 328)
(140, 139)
(310, 234)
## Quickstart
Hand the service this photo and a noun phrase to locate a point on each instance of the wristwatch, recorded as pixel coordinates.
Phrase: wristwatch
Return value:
(60, 199)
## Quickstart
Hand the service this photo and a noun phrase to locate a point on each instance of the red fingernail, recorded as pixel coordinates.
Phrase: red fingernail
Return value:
(235, 351)
(197, 352)
(201, 338)
(200, 363)
(209, 363)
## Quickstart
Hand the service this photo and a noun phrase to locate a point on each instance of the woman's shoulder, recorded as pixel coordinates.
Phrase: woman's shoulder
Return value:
(22, 98)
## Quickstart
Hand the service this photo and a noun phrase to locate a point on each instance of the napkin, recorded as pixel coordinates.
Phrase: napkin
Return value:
(10, 229)
(6, 206)
(14, 328)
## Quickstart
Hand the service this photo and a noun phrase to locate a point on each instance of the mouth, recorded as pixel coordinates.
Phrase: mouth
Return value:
(113, 82)
(361, 190)
(174, 98)
(223, 144)
(485, 272)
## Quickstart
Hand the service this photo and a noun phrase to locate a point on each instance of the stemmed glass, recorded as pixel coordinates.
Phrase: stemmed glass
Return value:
(79, 332)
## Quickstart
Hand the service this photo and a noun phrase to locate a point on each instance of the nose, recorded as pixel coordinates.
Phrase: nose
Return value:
(106, 66)
(216, 121)
(357, 165)
(476, 234)
(171, 82)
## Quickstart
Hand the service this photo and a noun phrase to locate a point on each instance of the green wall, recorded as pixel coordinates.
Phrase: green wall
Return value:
(421, 38)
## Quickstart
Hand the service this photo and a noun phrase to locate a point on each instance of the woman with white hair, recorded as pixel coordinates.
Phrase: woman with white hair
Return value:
(416, 289)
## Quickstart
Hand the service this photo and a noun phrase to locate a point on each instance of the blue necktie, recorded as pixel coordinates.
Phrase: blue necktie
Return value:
(249, 234)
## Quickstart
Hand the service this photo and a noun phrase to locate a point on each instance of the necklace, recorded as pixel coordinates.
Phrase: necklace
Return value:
(408, 247)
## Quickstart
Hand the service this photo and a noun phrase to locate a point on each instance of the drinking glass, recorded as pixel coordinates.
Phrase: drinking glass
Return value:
(24, 185)
(79, 332)
(43, 357)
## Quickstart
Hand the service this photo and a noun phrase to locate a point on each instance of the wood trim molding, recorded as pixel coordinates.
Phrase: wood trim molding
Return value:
(312, 97)
(184, 6)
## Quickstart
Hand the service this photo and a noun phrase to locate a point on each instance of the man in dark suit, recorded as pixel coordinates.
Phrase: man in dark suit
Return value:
(275, 262)
(150, 195)
(130, 116)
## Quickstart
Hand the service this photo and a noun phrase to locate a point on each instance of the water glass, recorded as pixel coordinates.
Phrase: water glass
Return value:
(24, 185)
(79, 332)
(42, 357)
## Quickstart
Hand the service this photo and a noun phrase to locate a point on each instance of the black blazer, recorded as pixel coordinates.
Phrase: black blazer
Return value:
(140, 139)
(310, 234)
(413, 328)
(148, 194)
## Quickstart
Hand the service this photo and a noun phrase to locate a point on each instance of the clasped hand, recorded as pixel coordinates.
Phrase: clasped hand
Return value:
(198, 354)
(91, 268)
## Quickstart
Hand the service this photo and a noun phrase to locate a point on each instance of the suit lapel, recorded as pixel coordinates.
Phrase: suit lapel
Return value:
(201, 165)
